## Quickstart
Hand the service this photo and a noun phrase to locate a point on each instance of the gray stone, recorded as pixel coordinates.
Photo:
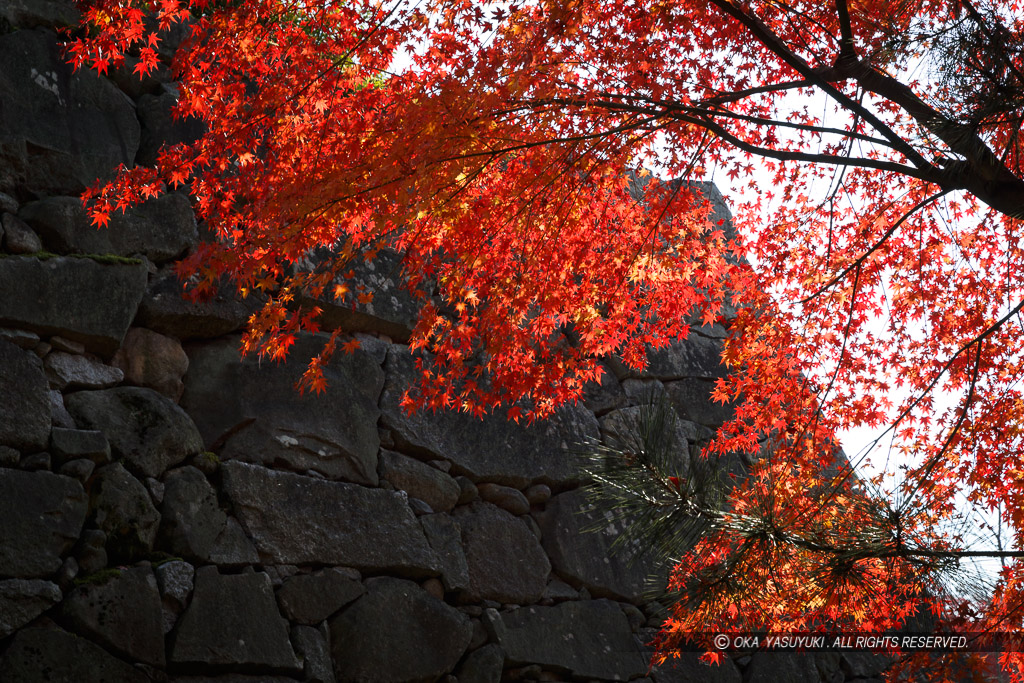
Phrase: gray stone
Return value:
(419, 480)
(40, 13)
(20, 338)
(175, 579)
(68, 444)
(505, 560)
(36, 461)
(392, 311)
(483, 666)
(600, 397)
(43, 514)
(769, 667)
(92, 551)
(69, 371)
(18, 236)
(578, 539)
(8, 203)
(445, 537)
(61, 344)
(62, 129)
(294, 519)
(538, 494)
(9, 457)
(63, 657)
(311, 598)
(858, 664)
(420, 507)
(492, 449)
(165, 309)
(397, 632)
(24, 401)
(159, 127)
(505, 497)
(254, 410)
(559, 590)
(311, 646)
(121, 613)
(122, 509)
(696, 356)
(160, 229)
(692, 400)
(589, 639)
(688, 667)
(233, 622)
(59, 415)
(83, 299)
(80, 469)
(150, 359)
(145, 428)
(191, 518)
(233, 548)
(22, 600)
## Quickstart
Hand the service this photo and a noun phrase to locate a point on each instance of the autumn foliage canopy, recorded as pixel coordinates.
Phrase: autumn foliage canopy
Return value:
(498, 147)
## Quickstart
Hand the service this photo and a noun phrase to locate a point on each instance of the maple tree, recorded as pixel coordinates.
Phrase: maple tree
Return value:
(885, 269)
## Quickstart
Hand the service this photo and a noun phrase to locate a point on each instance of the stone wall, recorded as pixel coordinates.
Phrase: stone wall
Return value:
(173, 512)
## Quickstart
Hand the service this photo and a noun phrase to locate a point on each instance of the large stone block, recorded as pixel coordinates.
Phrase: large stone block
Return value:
(255, 412)
(506, 562)
(161, 228)
(123, 511)
(22, 600)
(60, 129)
(166, 309)
(397, 632)
(294, 519)
(143, 427)
(81, 299)
(588, 639)
(232, 623)
(492, 449)
(42, 515)
(24, 400)
(121, 613)
(63, 657)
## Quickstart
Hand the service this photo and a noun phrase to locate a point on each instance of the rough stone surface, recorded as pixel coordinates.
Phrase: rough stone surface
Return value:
(397, 632)
(68, 444)
(768, 667)
(505, 560)
(160, 128)
(255, 412)
(505, 497)
(294, 519)
(233, 623)
(311, 598)
(59, 415)
(70, 371)
(92, 551)
(492, 449)
(175, 580)
(419, 480)
(689, 668)
(692, 400)
(578, 540)
(589, 639)
(39, 13)
(24, 399)
(83, 299)
(445, 537)
(80, 469)
(61, 129)
(121, 613)
(311, 646)
(145, 428)
(64, 657)
(160, 229)
(150, 359)
(483, 665)
(123, 510)
(192, 520)
(19, 237)
(165, 310)
(43, 515)
(22, 600)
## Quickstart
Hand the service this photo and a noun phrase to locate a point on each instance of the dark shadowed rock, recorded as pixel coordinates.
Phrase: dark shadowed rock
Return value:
(311, 598)
(194, 526)
(121, 613)
(24, 398)
(83, 299)
(505, 497)
(71, 371)
(419, 480)
(483, 666)
(69, 444)
(311, 645)
(445, 537)
(802, 667)
(254, 410)
(175, 580)
(692, 400)
(22, 600)
(397, 632)
(145, 428)
(150, 359)
(61, 129)
(123, 510)
(506, 562)
(589, 639)
(696, 356)
(63, 657)
(159, 127)
(18, 237)
(233, 624)
(578, 539)
(40, 13)
(42, 515)
(160, 229)
(165, 309)
(294, 519)
(493, 449)
(688, 667)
